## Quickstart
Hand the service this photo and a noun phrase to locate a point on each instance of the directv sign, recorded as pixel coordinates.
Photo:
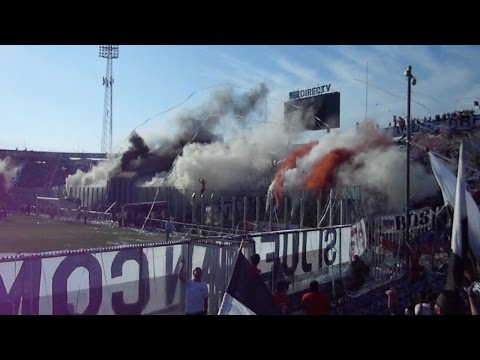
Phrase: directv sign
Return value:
(318, 112)
(300, 94)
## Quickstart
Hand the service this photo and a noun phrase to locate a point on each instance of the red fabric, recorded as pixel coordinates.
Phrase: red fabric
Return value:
(316, 303)
(283, 302)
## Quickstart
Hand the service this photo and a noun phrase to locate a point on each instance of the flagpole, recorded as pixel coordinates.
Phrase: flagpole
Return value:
(241, 245)
(230, 277)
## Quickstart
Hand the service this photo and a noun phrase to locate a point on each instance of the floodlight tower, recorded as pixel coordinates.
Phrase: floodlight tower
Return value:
(108, 52)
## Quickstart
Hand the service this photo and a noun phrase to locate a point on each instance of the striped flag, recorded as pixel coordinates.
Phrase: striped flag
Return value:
(247, 294)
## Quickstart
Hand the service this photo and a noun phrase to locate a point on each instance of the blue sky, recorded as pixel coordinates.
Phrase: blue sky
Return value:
(51, 97)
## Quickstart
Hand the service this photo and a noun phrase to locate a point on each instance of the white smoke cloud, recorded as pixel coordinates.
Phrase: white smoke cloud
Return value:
(97, 176)
(9, 169)
(240, 164)
(383, 172)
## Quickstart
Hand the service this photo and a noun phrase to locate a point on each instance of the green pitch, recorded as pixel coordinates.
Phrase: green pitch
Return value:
(31, 234)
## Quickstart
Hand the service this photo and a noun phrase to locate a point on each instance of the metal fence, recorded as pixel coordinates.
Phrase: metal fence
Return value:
(146, 275)
(236, 211)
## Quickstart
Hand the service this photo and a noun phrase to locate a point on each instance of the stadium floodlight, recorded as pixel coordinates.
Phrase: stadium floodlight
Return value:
(411, 82)
(108, 52)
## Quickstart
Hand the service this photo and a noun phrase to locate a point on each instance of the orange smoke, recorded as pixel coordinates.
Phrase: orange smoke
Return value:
(289, 163)
(323, 172)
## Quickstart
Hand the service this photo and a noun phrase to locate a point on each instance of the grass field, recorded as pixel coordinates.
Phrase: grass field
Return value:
(31, 234)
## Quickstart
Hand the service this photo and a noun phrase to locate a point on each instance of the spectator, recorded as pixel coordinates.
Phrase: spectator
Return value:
(415, 299)
(427, 307)
(168, 229)
(281, 298)
(3, 213)
(473, 292)
(449, 303)
(85, 214)
(255, 260)
(360, 271)
(125, 218)
(315, 302)
(416, 270)
(393, 301)
(401, 123)
(202, 182)
(197, 292)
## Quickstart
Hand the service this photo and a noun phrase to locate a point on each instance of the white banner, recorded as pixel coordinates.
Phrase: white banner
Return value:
(127, 281)
(294, 253)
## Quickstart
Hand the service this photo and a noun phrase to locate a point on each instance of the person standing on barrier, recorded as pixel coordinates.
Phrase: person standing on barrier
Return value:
(197, 292)
(202, 182)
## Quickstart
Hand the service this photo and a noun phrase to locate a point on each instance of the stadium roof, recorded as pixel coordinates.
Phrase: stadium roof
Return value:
(53, 155)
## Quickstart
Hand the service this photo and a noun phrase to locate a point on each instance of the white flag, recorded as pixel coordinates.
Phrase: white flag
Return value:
(448, 183)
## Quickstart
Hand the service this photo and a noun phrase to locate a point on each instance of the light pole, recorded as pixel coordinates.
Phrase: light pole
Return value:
(108, 52)
(411, 81)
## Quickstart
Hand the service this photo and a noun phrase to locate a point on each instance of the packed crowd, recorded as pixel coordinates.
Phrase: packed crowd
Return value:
(457, 119)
